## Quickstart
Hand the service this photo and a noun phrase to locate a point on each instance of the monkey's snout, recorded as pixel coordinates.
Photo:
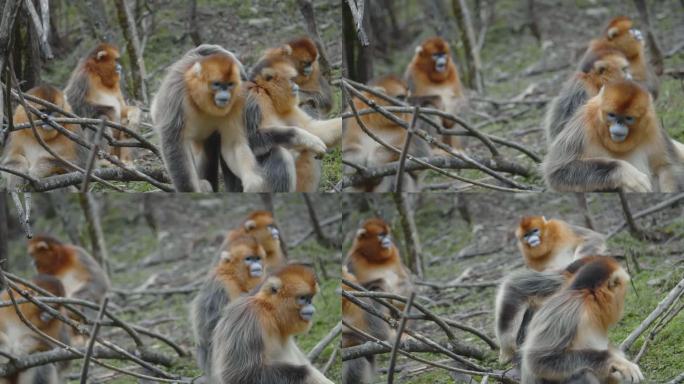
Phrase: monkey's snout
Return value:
(386, 242)
(534, 241)
(441, 64)
(618, 132)
(295, 89)
(307, 312)
(255, 270)
(221, 99)
(307, 70)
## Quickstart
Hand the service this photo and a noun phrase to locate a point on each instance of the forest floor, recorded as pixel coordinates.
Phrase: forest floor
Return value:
(486, 251)
(245, 28)
(190, 229)
(516, 67)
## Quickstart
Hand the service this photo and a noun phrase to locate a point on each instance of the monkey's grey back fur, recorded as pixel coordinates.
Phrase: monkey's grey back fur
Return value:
(205, 313)
(362, 369)
(563, 107)
(515, 300)
(98, 286)
(240, 330)
(546, 351)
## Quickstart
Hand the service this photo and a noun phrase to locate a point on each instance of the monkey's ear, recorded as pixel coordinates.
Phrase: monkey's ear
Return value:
(287, 49)
(41, 245)
(268, 73)
(101, 55)
(272, 285)
(544, 219)
(601, 67)
(600, 94)
(419, 49)
(361, 232)
(612, 32)
(250, 224)
(197, 68)
(225, 256)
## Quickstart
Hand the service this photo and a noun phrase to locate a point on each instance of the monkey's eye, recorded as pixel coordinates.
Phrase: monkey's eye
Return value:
(268, 78)
(611, 116)
(216, 85)
(253, 258)
(230, 84)
(629, 120)
(304, 299)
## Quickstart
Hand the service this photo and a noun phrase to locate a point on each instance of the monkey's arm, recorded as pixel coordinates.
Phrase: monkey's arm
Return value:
(566, 171)
(241, 161)
(330, 131)
(293, 138)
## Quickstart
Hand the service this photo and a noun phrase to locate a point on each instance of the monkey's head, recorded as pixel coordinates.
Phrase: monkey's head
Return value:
(244, 260)
(262, 226)
(374, 240)
(103, 62)
(49, 94)
(277, 78)
(626, 116)
(211, 83)
(305, 58)
(531, 231)
(48, 254)
(290, 292)
(603, 66)
(621, 34)
(433, 58)
(602, 284)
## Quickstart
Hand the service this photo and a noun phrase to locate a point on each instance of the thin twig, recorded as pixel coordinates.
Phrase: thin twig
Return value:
(398, 184)
(400, 332)
(91, 342)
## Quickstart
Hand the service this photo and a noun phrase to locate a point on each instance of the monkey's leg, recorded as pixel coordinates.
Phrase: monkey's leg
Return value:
(671, 179)
(208, 160)
(358, 371)
(18, 163)
(178, 159)
(279, 170)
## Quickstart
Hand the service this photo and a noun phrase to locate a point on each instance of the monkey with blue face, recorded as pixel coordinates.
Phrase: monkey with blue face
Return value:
(254, 340)
(374, 257)
(239, 270)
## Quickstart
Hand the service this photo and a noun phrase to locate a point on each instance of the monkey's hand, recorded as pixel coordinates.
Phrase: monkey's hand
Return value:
(253, 183)
(133, 117)
(307, 141)
(632, 179)
(626, 371)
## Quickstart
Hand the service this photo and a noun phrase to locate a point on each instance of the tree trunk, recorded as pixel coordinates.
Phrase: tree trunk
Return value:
(532, 21)
(95, 19)
(193, 27)
(94, 228)
(629, 218)
(10, 11)
(307, 10)
(4, 237)
(414, 258)
(656, 54)
(267, 199)
(66, 215)
(582, 202)
(358, 59)
(474, 70)
(135, 57)
(316, 225)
